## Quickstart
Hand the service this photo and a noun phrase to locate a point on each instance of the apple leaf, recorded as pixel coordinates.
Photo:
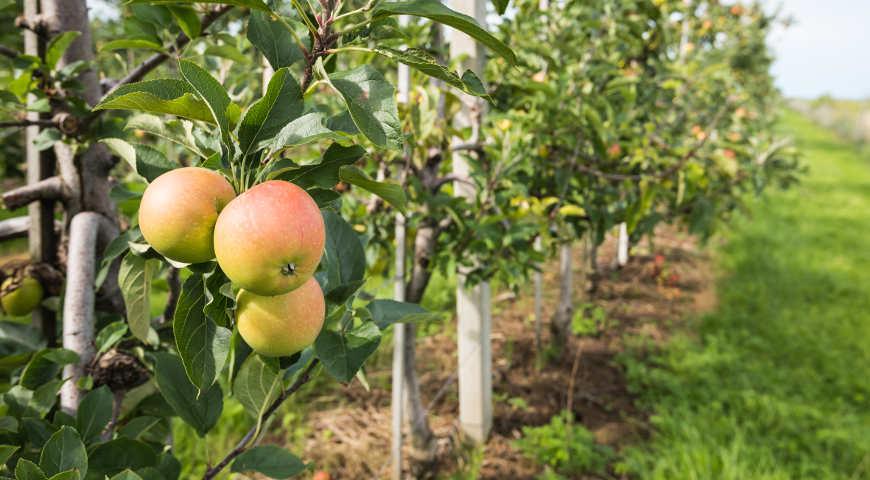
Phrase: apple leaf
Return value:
(308, 128)
(281, 104)
(126, 475)
(270, 460)
(132, 43)
(391, 192)
(199, 410)
(202, 345)
(324, 174)
(211, 92)
(163, 96)
(27, 470)
(274, 41)
(344, 353)
(134, 278)
(344, 263)
(440, 13)
(64, 451)
(386, 312)
(187, 20)
(116, 455)
(45, 365)
(371, 101)
(6, 452)
(94, 413)
(257, 385)
(423, 61)
(150, 162)
(57, 47)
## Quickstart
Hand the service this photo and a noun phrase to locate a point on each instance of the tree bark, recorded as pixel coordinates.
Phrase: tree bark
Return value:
(78, 305)
(539, 302)
(622, 246)
(560, 325)
(422, 437)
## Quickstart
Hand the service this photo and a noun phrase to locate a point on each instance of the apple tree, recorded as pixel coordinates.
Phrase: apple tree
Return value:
(175, 92)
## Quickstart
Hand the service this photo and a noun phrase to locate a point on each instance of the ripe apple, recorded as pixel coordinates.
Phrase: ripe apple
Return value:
(269, 240)
(23, 299)
(179, 210)
(281, 325)
(321, 475)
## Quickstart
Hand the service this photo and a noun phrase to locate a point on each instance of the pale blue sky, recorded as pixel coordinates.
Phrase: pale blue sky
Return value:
(825, 50)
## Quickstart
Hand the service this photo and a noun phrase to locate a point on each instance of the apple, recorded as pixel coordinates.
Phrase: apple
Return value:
(23, 299)
(321, 475)
(281, 325)
(179, 210)
(269, 240)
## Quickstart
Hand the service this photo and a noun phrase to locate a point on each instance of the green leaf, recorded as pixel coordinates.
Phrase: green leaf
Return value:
(325, 173)
(6, 452)
(371, 101)
(254, 4)
(176, 131)
(438, 12)
(67, 475)
(227, 51)
(57, 46)
(163, 96)
(45, 365)
(219, 297)
(187, 20)
(270, 460)
(201, 411)
(45, 397)
(64, 451)
(150, 162)
(115, 249)
(308, 128)
(110, 335)
(281, 104)
(257, 385)
(134, 278)
(27, 470)
(16, 337)
(344, 353)
(126, 475)
(500, 6)
(387, 312)
(423, 61)
(273, 40)
(391, 192)
(94, 412)
(146, 428)
(202, 345)
(122, 453)
(47, 138)
(132, 43)
(210, 91)
(344, 263)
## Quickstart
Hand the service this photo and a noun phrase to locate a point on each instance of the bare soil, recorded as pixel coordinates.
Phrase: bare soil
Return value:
(350, 427)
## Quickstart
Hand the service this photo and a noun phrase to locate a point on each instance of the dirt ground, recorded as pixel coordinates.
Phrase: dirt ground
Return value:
(644, 299)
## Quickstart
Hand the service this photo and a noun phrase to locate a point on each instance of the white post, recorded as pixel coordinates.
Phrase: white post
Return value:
(539, 300)
(622, 245)
(472, 304)
(398, 381)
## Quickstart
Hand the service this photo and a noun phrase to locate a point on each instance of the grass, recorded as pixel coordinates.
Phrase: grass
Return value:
(775, 384)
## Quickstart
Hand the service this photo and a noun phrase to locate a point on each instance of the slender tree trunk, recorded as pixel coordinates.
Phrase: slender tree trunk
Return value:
(422, 437)
(560, 325)
(592, 273)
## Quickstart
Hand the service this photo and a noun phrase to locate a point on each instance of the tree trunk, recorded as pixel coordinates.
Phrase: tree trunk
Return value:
(560, 325)
(539, 303)
(422, 437)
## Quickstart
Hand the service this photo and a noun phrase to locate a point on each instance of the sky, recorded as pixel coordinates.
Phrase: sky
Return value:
(826, 50)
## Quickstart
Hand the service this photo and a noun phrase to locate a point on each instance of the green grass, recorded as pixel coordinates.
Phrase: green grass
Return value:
(775, 384)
